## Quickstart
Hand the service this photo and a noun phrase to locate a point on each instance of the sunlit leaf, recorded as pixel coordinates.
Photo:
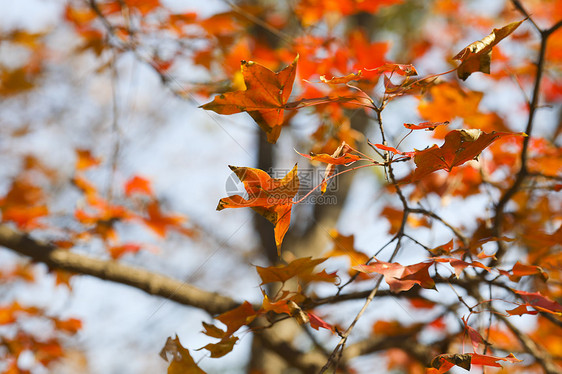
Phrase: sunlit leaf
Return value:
(401, 278)
(460, 146)
(540, 302)
(478, 55)
(339, 80)
(301, 267)
(269, 197)
(401, 69)
(317, 322)
(264, 98)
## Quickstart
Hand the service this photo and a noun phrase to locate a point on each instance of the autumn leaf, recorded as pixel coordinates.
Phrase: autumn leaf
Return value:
(484, 360)
(24, 204)
(71, 325)
(393, 150)
(445, 362)
(301, 267)
(339, 80)
(401, 69)
(520, 310)
(85, 159)
(443, 249)
(345, 159)
(221, 348)
(317, 322)
(279, 306)
(401, 278)
(269, 197)
(474, 335)
(160, 222)
(344, 246)
(264, 98)
(181, 361)
(540, 302)
(428, 126)
(460, 146)
(339, 157)
(213, 331)
(237, 317)
(520, 270)
(478, 55)
(120, 250)
(460, 265)
(138, 184)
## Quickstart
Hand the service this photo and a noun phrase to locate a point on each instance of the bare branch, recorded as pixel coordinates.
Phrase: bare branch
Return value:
(149, 282)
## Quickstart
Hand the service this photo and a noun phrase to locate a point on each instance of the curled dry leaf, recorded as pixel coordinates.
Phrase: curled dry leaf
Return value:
(342, 80)
(394, 150)
(339, 157)
(344, 159)
(401, 69)
(428, 126)
(181, 361)
(478, 55)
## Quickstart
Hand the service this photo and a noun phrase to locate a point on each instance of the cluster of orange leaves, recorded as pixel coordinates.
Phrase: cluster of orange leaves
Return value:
(265, 95)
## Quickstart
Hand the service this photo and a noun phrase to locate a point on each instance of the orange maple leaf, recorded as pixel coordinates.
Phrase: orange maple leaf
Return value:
(302, 268)
(399, 277)
(264, 98)
(269, 197)
(460, 146)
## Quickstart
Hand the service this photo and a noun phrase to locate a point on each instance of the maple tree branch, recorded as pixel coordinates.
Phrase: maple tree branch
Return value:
(555, 27)
(405, 342)
(517, 4)
(147, 281)
(312, 303)
(541, 355)
(270, 339)
(508, 194)
(338, 350)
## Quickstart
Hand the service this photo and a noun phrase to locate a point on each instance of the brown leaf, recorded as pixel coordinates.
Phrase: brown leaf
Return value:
(237, 317)
(221, 348)
(478, 55)
(181, 361)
